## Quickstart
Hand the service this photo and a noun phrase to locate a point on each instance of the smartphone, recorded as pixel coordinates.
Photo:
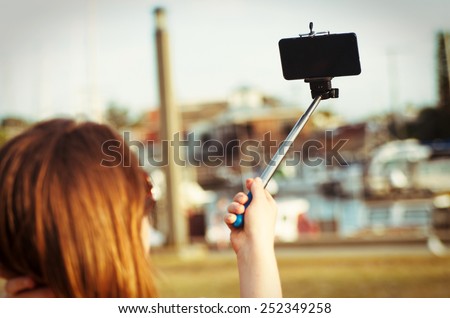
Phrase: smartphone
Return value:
(321, 56)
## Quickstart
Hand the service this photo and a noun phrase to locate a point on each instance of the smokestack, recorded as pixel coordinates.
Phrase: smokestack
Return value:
(170, 125)
(444, 69)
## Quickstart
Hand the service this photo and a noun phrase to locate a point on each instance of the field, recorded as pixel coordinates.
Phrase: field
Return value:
(390, 275)
(365, 274)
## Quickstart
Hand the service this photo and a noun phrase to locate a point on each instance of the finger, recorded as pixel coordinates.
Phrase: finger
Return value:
(236, 208)
(229, 221)
(248, 183)
(18, 284)
(241, 198)
(44, 292)
(230, 218)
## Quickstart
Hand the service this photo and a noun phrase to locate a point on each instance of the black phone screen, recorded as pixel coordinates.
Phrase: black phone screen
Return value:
(319, 56)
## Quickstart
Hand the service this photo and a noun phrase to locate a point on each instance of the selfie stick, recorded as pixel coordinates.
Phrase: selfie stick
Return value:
(320, 89)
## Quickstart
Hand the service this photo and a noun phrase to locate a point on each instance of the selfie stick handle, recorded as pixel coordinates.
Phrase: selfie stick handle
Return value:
(280, 154)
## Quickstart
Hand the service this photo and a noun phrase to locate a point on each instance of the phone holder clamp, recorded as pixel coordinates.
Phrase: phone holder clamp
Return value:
(322, 87)
(313, 33)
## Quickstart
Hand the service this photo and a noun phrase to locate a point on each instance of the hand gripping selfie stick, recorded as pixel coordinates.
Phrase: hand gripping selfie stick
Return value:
(320, 90)
(316, 59)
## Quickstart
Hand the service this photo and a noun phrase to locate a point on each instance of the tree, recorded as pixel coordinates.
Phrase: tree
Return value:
(3, 136)
(117, 116)
(431, 124)
(11, 126)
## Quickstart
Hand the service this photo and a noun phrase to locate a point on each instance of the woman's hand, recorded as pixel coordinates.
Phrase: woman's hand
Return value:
(254, 243)
(260, 217)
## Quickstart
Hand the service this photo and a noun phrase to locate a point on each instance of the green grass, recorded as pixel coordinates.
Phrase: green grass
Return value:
(312, 276)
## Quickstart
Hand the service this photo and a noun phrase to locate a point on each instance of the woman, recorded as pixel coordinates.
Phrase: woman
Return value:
(73, 214)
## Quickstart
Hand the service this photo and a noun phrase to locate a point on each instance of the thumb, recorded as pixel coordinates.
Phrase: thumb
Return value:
(257, 188)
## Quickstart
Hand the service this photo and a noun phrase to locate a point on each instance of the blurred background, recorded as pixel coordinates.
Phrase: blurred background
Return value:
(371, 222)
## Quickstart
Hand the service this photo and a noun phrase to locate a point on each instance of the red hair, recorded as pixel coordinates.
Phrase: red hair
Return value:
(71, 215)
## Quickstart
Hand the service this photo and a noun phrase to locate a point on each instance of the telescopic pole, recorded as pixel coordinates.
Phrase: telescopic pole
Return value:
(280, 154)
(320, 89)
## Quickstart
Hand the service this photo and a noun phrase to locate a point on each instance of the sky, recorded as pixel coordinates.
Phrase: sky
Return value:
(60, 57)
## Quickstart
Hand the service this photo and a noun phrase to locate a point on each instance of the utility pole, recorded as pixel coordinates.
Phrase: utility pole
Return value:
(170, 125)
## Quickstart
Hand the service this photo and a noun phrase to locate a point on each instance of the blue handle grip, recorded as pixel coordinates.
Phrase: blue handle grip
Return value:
(240, 217)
